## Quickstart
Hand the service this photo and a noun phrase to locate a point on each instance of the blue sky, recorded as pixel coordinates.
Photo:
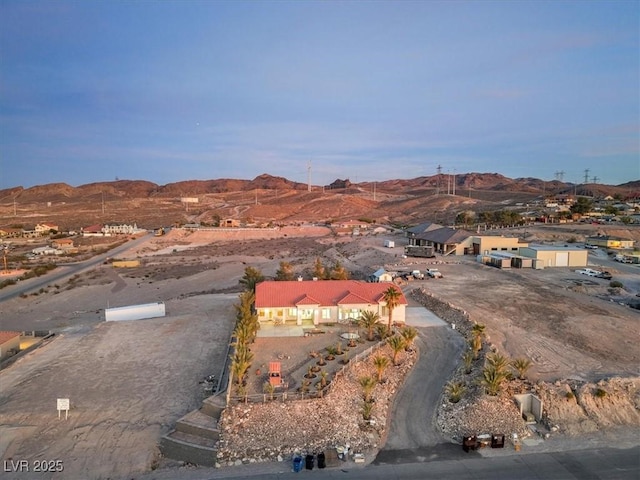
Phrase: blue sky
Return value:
(179, 90)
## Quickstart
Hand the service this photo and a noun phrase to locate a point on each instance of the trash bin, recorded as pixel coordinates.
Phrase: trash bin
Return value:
(309, 462)
(321, 460)
(297, 463)
(469, 443)
(497, 441)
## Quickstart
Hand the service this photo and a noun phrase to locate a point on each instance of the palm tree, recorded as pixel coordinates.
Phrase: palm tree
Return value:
(382, 332)
(409, 334)
(368, 320)
(396, 343)
(367, 384)
(455, 390)
(381, 363)
(268, 388)
(498, 362)
(492, 380)
(392, 298)
(521, 365)
(467, 359)
(323, 378)
(367, 410)
(477, 333)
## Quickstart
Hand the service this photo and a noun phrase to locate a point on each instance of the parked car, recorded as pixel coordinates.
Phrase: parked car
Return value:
(434, 273)
(605, 275)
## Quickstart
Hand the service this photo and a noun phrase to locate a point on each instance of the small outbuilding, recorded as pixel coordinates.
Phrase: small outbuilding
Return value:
(9, 344)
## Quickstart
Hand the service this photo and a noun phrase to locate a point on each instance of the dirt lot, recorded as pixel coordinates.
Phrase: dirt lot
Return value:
(128, 382)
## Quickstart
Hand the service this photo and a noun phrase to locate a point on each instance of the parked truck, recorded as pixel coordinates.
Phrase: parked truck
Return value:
(419, 251)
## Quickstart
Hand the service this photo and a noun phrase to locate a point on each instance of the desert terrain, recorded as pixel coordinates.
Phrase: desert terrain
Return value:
(130, 381)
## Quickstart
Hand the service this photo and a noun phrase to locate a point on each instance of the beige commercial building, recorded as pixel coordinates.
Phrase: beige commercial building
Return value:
(556, 256)
(487, 244)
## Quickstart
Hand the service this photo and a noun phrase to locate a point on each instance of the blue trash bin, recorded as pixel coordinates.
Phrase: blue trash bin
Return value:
(297, 463)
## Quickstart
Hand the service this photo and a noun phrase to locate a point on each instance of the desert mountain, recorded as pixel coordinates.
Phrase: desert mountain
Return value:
(268, 199)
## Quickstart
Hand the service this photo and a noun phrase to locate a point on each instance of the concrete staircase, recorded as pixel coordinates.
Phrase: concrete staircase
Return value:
(195, 435)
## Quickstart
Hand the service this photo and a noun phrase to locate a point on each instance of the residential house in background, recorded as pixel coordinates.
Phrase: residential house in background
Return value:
(93, 231)
(324, 301)
(606, 241)
(45, 228)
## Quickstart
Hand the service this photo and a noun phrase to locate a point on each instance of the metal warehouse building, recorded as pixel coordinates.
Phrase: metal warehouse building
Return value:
(556, 256)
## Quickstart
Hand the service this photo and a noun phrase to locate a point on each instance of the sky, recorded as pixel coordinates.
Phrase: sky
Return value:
(167, 91)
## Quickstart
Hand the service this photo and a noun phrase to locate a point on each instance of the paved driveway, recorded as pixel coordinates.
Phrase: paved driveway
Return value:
(413, 432)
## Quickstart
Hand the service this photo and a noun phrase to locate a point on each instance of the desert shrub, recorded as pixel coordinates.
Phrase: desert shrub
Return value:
(570, 396)
(600, 393)
(571, 240)
(615, 284)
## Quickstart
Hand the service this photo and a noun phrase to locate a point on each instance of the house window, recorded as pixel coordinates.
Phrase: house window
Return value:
(493, 249)
(261, 313)
(326, 314)
(292, 312)
(279, 313)
(385, 311)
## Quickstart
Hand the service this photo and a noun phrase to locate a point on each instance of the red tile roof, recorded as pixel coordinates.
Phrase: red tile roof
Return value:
(272, 294)
(5, 336)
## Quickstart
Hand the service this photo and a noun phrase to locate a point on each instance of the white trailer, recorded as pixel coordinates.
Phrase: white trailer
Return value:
(389, 243)
(135, 312)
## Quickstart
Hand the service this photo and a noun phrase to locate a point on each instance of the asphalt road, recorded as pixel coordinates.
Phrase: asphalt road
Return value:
(589, 464)
(65, 271)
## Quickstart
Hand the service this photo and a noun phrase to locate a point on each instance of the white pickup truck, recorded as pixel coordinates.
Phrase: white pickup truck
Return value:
(417, 274)
(588, 271)
(434, 273)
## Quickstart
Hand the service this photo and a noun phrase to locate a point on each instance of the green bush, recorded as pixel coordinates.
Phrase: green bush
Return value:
(615, 284)
(570, 396)
(600, 393)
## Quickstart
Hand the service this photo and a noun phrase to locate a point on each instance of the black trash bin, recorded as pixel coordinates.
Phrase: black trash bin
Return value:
(321, 460)
(309, 462)
(497, 441)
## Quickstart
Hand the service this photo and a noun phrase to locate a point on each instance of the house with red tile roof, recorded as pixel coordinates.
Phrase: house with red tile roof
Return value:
(324, 301)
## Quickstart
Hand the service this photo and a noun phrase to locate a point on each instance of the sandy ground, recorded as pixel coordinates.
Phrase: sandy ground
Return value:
(129, 382)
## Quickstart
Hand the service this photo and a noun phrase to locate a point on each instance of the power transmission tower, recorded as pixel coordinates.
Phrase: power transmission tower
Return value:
(595, 179)
(560, 175)
(586, 175)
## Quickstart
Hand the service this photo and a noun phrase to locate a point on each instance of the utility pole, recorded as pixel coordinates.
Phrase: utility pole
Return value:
(309, 175)
(102, 202)
(454, 181)
(448, 183)
(374, 191)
